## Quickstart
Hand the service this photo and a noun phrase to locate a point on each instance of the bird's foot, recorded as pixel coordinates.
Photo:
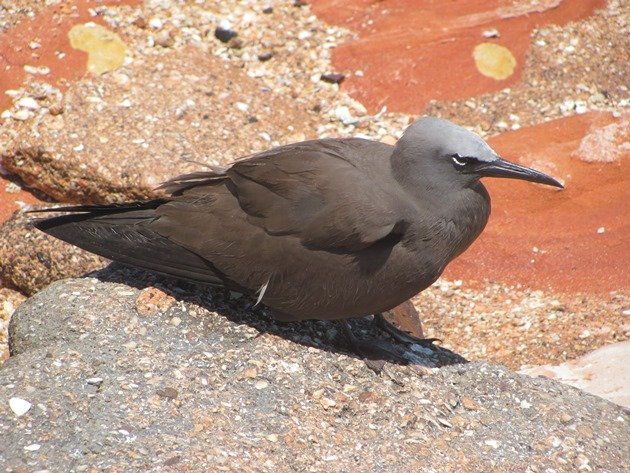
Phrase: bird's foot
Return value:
(375, 353)
(399, 335)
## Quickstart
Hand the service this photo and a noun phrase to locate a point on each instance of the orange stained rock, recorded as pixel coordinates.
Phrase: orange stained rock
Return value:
(406, 318)
(11, 198)
(49, 29)
(412, 51)
(576, 239)
(105, 49)
(494, 60)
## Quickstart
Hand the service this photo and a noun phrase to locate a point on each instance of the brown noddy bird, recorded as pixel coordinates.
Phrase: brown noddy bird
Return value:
(322, 229)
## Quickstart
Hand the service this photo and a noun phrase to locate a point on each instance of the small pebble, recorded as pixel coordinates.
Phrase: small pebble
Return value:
(261, 384)
(580, 107)
(249, 373)
(333, 78)
(56, 109)
(34, 70)
(28, 102)
(389, 140)
(156, 23)
(224, 35)
(235, 43)
(445, 422)
(493, 443)
(165, 39)
(19, 406)
(469, 404)
(169, 393)
(22, 114)
(302, 35)
(11, 188)
(265, 56)
(343, 114)
(327, 403)
(243, 107)
(140, 22)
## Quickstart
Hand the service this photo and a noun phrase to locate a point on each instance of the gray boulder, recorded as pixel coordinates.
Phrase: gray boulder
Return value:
(129, 372)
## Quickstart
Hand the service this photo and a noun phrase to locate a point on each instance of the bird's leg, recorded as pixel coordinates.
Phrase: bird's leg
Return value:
(399, 335)
(367, 350)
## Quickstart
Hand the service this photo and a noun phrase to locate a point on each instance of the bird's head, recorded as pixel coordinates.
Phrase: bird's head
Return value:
(453, 156)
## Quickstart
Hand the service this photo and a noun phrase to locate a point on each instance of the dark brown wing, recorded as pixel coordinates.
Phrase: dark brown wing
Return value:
(316, 192)
(295, 216)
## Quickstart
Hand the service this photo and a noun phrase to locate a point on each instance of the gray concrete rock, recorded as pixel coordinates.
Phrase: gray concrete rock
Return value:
(129, 372)
(118, 136)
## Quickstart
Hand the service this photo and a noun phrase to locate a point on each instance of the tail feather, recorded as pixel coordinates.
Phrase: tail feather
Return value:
(105, 208)
(122, 232)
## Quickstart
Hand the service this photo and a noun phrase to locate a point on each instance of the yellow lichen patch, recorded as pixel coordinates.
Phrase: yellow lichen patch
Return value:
(493, 60)
(105, 49)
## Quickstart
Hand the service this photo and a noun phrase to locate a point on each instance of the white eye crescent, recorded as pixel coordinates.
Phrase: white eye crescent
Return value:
(458, 160)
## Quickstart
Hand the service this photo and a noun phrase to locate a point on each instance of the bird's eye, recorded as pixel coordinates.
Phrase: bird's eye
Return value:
(461, 161)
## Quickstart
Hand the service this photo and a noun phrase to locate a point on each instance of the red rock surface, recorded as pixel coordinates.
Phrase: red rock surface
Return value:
(563, 225)
(50, 30)
(412, 51)
(10, 198)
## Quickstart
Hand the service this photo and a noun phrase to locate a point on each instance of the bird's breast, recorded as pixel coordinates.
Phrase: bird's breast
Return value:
(445, 230)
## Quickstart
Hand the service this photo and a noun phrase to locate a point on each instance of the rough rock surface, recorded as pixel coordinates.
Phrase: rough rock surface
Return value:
(30, 259)
(604, 372)
(570, 61)
(110, 140)
(446, 36)
(9, 301)
(129, 378)
(569, 70)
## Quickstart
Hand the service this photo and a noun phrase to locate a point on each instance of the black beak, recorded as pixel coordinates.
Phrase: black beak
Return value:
(503, 168)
